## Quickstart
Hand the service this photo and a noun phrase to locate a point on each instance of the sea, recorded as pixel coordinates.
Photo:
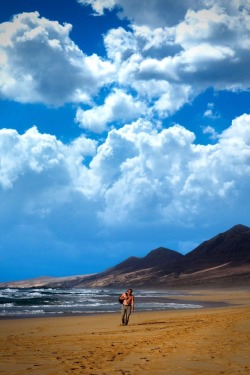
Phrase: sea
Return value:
(41, 302)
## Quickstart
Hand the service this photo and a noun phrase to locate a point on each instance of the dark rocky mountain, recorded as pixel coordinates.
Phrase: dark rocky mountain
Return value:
(232, 246)
(222, 261)
(160, 257)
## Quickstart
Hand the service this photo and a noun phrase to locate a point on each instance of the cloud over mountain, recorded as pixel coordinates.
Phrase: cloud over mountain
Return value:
(138, 176)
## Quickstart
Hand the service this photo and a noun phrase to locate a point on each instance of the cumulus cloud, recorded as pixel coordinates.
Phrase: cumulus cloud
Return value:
(99, 6)
(138, 178)
(138, 172)
(210, 112)
(207, 47)
(164, 65)
(211, 131)
(40, 63)
(118, 106)
(166, 177)
(172, 99)
(33, 153)
(215, 45)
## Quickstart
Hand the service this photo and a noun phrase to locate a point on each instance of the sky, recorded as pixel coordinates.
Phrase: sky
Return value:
(125, 126)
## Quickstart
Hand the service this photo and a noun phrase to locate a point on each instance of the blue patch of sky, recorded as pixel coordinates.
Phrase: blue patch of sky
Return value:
(226, 106)
(55, 121)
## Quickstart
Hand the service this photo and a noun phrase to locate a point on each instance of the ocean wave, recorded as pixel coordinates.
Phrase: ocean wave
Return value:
(35, 301)
(8, 305)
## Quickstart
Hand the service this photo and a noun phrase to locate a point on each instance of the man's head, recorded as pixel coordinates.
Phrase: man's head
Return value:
(130, 291)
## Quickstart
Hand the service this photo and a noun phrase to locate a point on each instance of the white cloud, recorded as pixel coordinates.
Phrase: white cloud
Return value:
(120, 44)
(237, 136)
(99, 6)
(167, 177)
(42, 156)
(40, 63)
(169, 66)
(173, 99)
(138, 173)
(215, 48)
(207, 45)
(118, 106)
(210, 130)
(210, 113)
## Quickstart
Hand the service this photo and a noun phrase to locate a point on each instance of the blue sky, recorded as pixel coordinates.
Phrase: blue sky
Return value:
(124, 127)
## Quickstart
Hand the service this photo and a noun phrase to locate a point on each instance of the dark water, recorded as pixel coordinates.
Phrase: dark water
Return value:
(46, 302)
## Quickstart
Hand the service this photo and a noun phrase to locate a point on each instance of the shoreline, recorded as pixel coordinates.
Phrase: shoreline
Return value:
(205, 305)
(209, 340)
(193, 297)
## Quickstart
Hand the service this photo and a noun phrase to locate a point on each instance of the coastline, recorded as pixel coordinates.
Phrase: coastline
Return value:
(42, 302)
(210, 340)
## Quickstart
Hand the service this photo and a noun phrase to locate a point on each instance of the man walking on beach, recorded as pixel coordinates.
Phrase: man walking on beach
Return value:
(127, 306)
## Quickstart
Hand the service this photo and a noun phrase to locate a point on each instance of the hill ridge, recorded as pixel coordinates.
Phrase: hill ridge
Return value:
(219, 261)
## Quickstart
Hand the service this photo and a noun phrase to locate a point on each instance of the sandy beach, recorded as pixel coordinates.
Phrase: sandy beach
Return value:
(211, 340)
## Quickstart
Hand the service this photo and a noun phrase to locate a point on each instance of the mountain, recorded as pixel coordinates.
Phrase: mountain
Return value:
(223, 260)
(232, 246)
(160, 257)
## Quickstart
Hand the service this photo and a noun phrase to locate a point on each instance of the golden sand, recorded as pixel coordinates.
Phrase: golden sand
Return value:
(184, 342)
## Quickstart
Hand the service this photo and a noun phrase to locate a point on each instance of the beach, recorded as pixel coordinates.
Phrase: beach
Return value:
(210, 340)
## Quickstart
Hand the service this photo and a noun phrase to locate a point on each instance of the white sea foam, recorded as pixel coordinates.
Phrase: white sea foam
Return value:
(36, 294)
(183, 306)
(41, 301)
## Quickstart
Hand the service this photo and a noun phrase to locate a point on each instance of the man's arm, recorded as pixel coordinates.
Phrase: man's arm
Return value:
(124, 296)
(133, 303)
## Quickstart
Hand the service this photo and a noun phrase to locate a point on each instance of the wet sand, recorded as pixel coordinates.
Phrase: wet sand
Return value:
(182, 342)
